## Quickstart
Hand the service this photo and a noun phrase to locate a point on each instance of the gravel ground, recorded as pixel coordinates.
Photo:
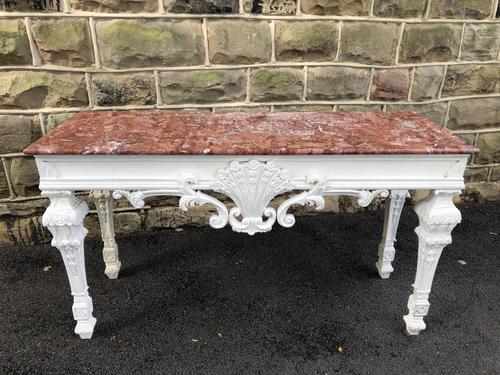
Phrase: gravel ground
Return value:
(305, 300)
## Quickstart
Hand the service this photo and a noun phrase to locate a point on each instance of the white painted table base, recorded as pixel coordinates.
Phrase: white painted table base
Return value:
(251, 182)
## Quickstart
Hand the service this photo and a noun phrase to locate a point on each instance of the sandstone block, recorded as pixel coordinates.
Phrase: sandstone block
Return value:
(390, 84)
(202, 6)
(303, 108)
(115, 6)
(172, 217)
(123, 89)
(24, 176)
(471, 79)
(260, 108)
(23, 231)
(399, 8)
(489, 148)
(479, 113)
(239, 41)
(306, 41)
(16, 133)
(481, 42)
(146, 43)
(369, 42)
(430, 42)
(278, 84)
(427, 82)
(495, 174)
(4, 186)
(434, 112)
(334, 83)
(483, 191)
(36, 89)
(63, 41)
(55, 119)
(477, 9)
(336, 7)
(359, 108)
(203, 86)
(14, 44)
(277, 7)
(476, 174)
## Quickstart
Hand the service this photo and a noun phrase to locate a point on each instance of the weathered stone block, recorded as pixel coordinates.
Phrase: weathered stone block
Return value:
(14, 44)
(146, 43)
(202, 6)
(332, 83)
(306, 40)
(471, 79)
(55, 119)
(390, 84)
(278, 84)
(277, 7)
(430, 42)
(399, 8)
(260, 108)
(203, 86)
(481, 42)
(359, 108)
(477, 9)
(482, 191)
(63, 41)
(336, 7)
(23, 231)
(24, 176)
(172, 217)
(123, 89)
(495, 174)
(115, 6)
(303, 108)
(17, 132)
(434, 112)
(36, 89)
(427, 82)
(489, 148)
(476, 174)
(369, 42)
(469, 137)
(239, 42)
(474, 114)
(4, 186)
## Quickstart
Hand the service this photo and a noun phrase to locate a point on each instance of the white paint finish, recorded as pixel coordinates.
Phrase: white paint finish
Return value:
(252, 182)
(104, 206)
(386, 251)
(437, 217)
(131, 172)
(64, 219)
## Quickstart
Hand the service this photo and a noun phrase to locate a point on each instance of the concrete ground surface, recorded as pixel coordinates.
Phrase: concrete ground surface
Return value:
(305, 300)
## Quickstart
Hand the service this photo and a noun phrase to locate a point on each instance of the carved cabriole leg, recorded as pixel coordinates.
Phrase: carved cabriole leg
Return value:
(386, 251)
(437, 217)
(64, 219)
(104, 206)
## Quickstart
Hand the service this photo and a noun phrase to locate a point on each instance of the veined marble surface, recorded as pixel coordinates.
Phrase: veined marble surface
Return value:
(295, 133)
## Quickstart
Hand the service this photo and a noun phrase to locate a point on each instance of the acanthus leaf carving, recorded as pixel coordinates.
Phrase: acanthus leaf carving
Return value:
(252, 185)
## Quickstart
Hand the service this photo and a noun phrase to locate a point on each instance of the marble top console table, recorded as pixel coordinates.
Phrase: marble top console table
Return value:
(251, 158)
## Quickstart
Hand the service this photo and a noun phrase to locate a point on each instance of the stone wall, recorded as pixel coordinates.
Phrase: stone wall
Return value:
(436, 57)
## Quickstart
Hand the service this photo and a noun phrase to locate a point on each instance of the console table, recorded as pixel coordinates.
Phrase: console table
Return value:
(251, 158)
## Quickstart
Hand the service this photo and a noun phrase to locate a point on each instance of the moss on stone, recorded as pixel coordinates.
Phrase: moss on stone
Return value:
(14, 44)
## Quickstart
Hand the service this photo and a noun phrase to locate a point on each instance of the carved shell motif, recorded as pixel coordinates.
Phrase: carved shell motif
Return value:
(252, 185)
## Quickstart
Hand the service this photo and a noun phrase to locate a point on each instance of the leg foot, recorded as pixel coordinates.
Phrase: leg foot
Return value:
(104, 206)
(64, 219)
(386, 251)
(437, 217)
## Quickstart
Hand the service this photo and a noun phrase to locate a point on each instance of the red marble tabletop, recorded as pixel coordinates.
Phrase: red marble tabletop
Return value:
(298, 133)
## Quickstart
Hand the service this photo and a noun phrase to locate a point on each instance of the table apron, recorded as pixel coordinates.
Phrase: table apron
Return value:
(135, 172)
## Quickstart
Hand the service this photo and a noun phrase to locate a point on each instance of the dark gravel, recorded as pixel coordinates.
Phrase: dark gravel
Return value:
(203, 301)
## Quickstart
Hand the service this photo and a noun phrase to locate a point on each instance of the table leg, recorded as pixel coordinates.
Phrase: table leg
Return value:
(104, 206)
(386, 251)
(437, 217)
(64, 219)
